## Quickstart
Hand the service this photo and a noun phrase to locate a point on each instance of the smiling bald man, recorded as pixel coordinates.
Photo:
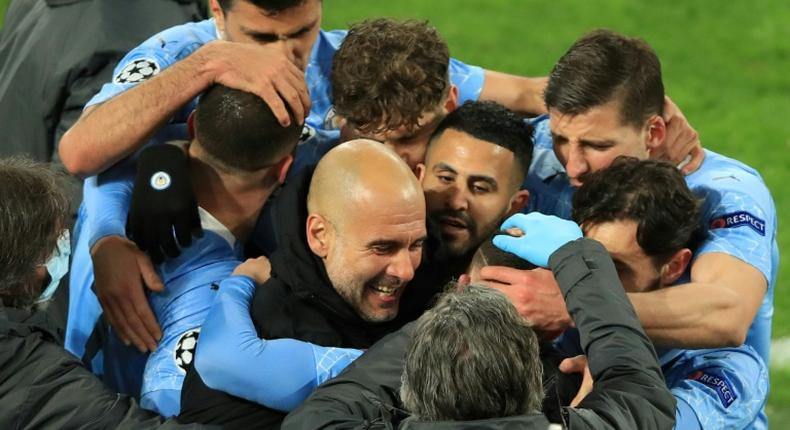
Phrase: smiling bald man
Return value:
(350, 237)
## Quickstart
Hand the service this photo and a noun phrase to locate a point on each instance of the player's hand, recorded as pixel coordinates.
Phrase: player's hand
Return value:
(578, 364)
(541, 236)
(120, 271)
(163, 203)
(534, 293)
(259, 269)
(263, 70)
(681, 146)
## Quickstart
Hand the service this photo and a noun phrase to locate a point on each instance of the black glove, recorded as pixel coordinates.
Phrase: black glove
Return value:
(163, 203)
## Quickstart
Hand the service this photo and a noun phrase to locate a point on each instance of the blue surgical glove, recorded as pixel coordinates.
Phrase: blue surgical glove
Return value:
(542, 235)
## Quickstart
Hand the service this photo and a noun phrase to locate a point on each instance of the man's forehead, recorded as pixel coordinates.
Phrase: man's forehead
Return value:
(282, 22)
(618, 237)
(427, 122)
(598, 121)
(464, 152)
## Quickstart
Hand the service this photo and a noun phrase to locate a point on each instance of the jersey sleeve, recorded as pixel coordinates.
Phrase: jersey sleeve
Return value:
(719, 388)
(279, 373)
(741, 220)
(106, 198)
(468, 79)
(154, 56)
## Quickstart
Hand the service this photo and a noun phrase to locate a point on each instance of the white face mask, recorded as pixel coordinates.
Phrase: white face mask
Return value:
(57, 266)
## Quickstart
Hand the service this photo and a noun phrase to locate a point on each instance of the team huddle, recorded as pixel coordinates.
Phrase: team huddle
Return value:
(289, 227)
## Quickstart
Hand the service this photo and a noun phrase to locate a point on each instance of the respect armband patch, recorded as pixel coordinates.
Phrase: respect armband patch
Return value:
(137, 71)
(738, 219)
(719, 383)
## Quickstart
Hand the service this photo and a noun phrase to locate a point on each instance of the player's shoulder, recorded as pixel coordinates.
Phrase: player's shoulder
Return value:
(730, 185)
(327, 44)
(720, 172)
(179, 41)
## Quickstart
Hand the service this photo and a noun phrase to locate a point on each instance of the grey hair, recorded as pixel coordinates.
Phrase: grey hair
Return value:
(34, 210)
(472, 357)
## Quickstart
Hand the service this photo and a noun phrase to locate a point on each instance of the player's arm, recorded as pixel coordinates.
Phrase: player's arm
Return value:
(120, 268)
(109, 132)
(279, 373)
(714, 310)
(517, 93)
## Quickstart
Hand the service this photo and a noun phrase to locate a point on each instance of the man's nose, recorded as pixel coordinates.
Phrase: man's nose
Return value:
(288, 47)
(577, 164)
(457, 198)
(401, 266)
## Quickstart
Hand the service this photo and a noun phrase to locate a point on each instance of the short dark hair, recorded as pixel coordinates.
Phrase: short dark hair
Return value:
(239, 130)
(652, 193)
(387, 73)
(493, 123)
(272, 7)
(490, 255)
(472, 357)
(604, 66)
(34, 211)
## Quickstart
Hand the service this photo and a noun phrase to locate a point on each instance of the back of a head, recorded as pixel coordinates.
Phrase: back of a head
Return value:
(652, 193)
(489, 255)
(387, 73)
(604, 66)
(271, 7)
(472, 357)
(496, 124)
(33, 212)
(239, 131)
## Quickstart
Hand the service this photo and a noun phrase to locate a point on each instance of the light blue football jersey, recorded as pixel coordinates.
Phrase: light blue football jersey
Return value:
(738, 209)
(320, 133)
(717, 388)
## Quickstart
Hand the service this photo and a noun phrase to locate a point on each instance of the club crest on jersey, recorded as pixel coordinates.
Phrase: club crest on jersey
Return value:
(160, 181)
(307, 134)
(738, 219)
(719, 383)
(185, 349)
(137, 71)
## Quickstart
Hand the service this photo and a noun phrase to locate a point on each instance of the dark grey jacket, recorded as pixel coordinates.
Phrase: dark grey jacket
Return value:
(44, 387)
(629, 391)
(56, 54)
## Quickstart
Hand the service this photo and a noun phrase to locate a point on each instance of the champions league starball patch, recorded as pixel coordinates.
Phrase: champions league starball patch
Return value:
(185, 349)
(160, 181)
(137, 71)
(738, 219)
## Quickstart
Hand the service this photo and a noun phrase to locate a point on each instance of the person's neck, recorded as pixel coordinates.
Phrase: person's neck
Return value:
(234, 199)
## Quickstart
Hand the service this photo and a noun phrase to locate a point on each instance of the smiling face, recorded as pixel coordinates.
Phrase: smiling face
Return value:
(590, 141)
(470, 187)
(294, 30)
(373, 254)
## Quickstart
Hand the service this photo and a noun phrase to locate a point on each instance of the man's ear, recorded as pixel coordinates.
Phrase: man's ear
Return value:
(451, 102)
(282, 167)
(419, 171)
(656, 132)
(518, 202)
(219, 17)
(675, 267)
(318, 235)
